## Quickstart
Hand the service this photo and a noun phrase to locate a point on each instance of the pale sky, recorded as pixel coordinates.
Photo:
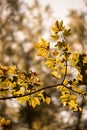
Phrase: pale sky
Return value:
(61, 7)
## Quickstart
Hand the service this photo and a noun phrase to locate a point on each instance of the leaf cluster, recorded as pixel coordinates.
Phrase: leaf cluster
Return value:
(61, 60)
(17, 84)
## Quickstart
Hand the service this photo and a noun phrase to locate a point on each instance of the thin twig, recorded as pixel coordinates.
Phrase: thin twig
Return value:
(73, 90)
(31, 93)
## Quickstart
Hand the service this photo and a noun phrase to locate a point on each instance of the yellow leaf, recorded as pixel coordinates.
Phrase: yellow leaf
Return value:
(3, 70)
(54, 73)
(48, 100)
(8, 122)
(55, 28)
(55, 52)
(63, 71)
(65, 81)
(2, 121)
(43, 47)
(55, 36)
(50, 62)
(40, 94)
(75, 58)
(35, 101)
(11, 69)
(23, 99)
(80, 77)
(80, 109)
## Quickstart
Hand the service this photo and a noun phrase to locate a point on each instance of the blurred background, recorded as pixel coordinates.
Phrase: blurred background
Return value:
(22, 23)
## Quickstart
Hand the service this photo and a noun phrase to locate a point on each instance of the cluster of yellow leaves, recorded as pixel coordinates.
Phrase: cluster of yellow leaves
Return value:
(21, 85)
(79, 61)
(60, 60)
(69, 99)
(34, 101)
(39, 98)
(75, 59)
(4, 70)
(4, 123)
(54, 73)
(43, 47)
(55, 57)
(57, 28)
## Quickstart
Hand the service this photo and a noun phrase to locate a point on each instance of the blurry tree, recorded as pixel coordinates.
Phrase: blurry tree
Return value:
(78, 23)
(85, 2)
(21, 25)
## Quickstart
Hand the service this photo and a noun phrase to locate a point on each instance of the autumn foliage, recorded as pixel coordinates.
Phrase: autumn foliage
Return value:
(68, 67)
(62, 61)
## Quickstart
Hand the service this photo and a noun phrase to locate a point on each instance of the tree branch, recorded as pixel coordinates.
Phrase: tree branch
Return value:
(73, 90)
(31, 93)
(44, 88)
